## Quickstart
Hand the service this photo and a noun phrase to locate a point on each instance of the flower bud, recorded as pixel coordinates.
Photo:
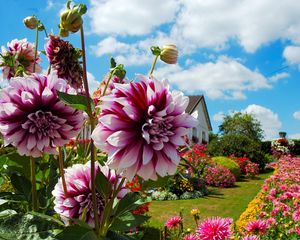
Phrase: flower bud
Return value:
(31, 22)
(169, 54)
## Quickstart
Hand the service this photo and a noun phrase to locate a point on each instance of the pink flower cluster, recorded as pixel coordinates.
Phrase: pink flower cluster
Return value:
(219, 176)
(251, 169)
(280, 213)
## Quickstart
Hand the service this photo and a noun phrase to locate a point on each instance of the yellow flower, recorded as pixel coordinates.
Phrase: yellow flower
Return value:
(195, 211)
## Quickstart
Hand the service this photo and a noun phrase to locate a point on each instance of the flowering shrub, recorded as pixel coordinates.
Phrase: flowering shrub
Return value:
(242, 162)
(281, 146)
(251, 170)
(228, 163)
(219, 176)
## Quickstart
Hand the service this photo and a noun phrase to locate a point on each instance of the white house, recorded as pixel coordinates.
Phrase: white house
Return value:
(197, 108)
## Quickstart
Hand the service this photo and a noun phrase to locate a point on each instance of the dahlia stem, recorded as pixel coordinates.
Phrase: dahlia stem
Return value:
(33, 185)
(62, 171)
(36, 47)
(153, 65)
(107, 83)
(92, 121)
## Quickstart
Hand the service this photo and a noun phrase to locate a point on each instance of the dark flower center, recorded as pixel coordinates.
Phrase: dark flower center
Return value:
(42, 123)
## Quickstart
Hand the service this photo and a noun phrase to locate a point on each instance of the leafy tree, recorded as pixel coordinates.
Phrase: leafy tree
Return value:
(242, 124)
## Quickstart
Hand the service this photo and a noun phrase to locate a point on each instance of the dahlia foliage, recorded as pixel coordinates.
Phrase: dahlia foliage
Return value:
(74, 153)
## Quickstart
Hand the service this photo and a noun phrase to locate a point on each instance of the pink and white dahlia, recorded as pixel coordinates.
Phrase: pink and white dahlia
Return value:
(253, 237)
(63, 57)
(140, 127)
(215, 228)
(173, 222)
(190, 236)
(257, 227)
(33, 119)
(78, 202)
(19, 59)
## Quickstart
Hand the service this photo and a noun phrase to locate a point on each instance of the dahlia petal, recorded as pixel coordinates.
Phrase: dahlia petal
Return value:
(31, 142)
(112, 122)
(120, 138)
(177, 140)
(47, 95)
(158, 146)
(130, 157)
(181, 131)
(131, 112)
(172, 153)
(162, 166)
(26, 97)
(147, 154)
(146, 170)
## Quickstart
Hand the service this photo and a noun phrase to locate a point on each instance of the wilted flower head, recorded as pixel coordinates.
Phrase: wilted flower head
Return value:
(215, 228)
(31, 22)
(33, 119)
(257, 227)
(19, 59)
(78, 202)
(63, 57)
(173, 222)
(169, 54)
(140, 127)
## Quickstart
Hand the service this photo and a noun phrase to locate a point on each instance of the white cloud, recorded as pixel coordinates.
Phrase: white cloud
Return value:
(134, 17)
(294, 136)
(50, 4)
(219, 116)
(226, 78)
(296, 115)
(137, 53)
(93, 83)
(279, 76)
(214, 23)
(269, 120)
(292, 54)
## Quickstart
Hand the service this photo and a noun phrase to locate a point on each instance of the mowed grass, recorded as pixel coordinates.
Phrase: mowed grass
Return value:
(223, 202)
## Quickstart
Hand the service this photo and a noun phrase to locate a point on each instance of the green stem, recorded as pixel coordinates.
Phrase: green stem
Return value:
(36, 47)
(92, 121)
(107, 83)
(62, 171)
(153, 65)
(33, 185)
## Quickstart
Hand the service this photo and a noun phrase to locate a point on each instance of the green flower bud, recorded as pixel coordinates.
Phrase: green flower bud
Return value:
(63, 32)
(169, 54)
(31, 22)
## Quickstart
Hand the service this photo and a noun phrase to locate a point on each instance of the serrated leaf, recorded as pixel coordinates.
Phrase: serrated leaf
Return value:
(78, 102)
(103, 186)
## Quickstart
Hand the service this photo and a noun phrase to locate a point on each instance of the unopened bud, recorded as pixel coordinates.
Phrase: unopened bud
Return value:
(31, 22)
(169, 54)
(63, 32)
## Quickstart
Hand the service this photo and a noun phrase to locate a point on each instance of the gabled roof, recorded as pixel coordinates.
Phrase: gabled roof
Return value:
(194, 101)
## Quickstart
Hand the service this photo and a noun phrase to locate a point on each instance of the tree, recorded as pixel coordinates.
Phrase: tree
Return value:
(242, 124)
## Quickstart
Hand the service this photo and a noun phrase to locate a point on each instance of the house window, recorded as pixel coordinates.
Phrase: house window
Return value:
(195, 138)
(204, 140)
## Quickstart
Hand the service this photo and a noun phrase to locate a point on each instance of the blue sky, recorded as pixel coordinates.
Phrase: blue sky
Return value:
(243, 55)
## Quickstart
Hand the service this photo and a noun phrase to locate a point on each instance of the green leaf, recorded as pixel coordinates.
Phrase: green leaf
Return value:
(160, 182)
(78, 102)
(111, 235)
(3, 201)
(22, 185)
(128, 221)
(103, 186)
(26, 226)
(128, 203)
(76, 232)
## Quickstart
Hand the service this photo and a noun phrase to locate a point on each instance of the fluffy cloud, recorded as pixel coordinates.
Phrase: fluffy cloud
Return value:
(93, 83)
(296, 115)
(225, 78)
(269, 120)
(292, 54)
(219, 116)
(279, 76)
(134, 17)
(132, 54)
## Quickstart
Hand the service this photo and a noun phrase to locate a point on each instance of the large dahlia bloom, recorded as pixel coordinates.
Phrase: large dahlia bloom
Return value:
(215, 228)
(257, 227)
(63, 57)
(78, 201)
(140, 127)
(33, 119)
(19, 57)
(173, 222)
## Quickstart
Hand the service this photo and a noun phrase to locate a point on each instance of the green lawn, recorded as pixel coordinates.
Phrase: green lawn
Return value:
(223, 202)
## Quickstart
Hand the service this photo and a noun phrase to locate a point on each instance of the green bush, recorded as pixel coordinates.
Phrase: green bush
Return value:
(239, 146)
(230, 164)
(296, 148)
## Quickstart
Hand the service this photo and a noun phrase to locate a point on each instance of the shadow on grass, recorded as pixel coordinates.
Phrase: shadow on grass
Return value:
(151, 233)
(214, 193)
